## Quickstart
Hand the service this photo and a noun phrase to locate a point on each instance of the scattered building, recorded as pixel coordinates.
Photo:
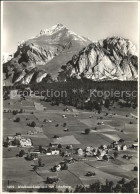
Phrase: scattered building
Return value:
(52, 151)
(80, 152)
(135, 145)
(124, 147)
(25, 142)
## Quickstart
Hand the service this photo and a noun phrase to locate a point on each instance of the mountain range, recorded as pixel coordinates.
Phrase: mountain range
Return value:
(62, 54)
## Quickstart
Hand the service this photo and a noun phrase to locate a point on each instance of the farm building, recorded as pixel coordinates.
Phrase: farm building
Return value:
(80, 151)
(25, 142)
(52, 151)
(135, 145)
(124, 147)
(10, 140)
(118, 147)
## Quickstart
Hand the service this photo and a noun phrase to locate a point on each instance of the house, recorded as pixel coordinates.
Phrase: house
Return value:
(64, 116)
(17, 136)
(104, 147)
(135, 145)
(115, 143)
(124, 147)
(66, 129)
(25, 142)
(48, 152)
(52, 151)
(102, 153)
(80, 151)
(55, 152)
(10, 140)
(118, 147)
(58, 167)
(88, 149)
(69, 147)
(54, 145)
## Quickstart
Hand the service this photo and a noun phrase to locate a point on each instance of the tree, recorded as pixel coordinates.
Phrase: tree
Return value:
(117, 189)
(64, 124)
(16, 142)
(59, 146)
(115, 154)
(105, 157)
(64, 167)
(55, 136)
(33, 124)
(123, 181)
(107, 103)
(135, 168)
(15, 112)
(66, 190)
(21, 153)
(21, 110)
(111, 185)
(87, 131)
(35, 168)
(5, 144)
(121, 140)
(40, 162)
(40, 148)
(17, 119)
(28, 157)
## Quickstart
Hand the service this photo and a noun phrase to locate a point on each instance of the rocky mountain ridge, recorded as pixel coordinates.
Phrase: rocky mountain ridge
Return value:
(114, 58)
(31, 60)
(64, 54)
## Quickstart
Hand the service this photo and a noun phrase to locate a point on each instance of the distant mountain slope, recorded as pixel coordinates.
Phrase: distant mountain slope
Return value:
(43, 54)
(111, 58)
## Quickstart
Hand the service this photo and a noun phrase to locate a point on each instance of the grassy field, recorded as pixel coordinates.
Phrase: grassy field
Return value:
(19, 171)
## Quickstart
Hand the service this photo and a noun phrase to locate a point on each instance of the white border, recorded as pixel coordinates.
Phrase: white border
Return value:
(1, 70)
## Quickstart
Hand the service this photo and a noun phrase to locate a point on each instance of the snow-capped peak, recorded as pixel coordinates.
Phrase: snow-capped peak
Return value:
(76, 36)
(53, 29)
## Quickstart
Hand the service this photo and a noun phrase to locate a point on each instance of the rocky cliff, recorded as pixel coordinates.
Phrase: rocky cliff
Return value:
(112, 58)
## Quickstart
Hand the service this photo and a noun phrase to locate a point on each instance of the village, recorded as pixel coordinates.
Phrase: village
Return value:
(57, 142)
(68, 153)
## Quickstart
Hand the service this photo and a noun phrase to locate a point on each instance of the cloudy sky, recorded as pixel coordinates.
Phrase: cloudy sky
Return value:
(23, 20)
